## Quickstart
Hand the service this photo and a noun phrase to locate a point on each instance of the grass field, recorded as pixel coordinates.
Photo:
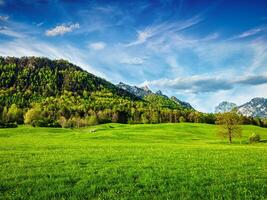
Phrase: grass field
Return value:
(165, 161)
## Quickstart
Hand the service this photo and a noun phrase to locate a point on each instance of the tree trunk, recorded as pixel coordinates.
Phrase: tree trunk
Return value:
(230, 139)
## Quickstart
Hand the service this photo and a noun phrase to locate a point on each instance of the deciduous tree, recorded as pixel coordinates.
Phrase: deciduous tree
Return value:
(229, 125)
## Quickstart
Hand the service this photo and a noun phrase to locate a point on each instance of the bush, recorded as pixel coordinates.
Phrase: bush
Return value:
(63, 122)
(15, 114)
(92, 120)
(145, 119)
(45, 123)
(8, 125)
(182, 119)
(254, 138)
(33, 115)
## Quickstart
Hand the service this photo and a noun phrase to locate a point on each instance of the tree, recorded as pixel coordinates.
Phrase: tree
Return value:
(115, 117)
(229, 125)
(4, 115)
(144, 118)
(63, 122)
(155, 117)
(182, 119)
(32, 115)
(92, 120)
(15, 114)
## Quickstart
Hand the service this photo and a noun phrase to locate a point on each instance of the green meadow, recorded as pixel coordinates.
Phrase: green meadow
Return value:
(116, 161)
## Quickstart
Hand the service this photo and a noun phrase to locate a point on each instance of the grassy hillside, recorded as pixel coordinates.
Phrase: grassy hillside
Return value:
(58, 93)
(114, 161)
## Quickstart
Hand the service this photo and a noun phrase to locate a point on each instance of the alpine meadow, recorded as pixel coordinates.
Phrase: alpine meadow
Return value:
(133, 99)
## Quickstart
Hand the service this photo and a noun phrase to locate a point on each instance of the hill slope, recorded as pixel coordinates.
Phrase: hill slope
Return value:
(52, 92)
(30, 78)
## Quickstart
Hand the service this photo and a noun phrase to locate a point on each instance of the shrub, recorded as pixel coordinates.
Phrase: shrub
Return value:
(8, 125)
(145, 119)
(63, 122)
(32, 115)
(45, 123)
(182, 119)
(15, 114)
(254, 138)
(92, 120)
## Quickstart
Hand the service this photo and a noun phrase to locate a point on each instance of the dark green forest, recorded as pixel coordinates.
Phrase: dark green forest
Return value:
(56, 93)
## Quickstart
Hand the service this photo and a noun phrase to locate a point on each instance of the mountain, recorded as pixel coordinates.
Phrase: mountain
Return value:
(225, 106)
(29, 79)
(159, 93)
(158, 97)
(44, 92)
(139, 92)
(257, 107)
(182, 103)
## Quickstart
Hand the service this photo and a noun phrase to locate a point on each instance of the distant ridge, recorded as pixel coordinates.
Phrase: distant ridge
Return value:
(147, 94)
(256, 107)
(225, 106)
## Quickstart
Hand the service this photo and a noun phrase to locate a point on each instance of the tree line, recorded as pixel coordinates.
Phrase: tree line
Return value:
(56, 93)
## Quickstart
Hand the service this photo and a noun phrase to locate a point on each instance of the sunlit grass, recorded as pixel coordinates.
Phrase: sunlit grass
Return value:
(165, 161)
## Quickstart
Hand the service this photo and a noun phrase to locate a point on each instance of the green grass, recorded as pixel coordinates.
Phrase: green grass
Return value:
(165, 161)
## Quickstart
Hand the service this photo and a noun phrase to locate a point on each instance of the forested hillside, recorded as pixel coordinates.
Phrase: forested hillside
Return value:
(44, 92)
(55, 92)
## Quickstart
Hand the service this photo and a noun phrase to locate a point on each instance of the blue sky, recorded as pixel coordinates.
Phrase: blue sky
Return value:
(203, 52)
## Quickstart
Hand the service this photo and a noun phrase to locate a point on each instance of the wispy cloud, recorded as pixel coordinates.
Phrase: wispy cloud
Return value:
(4, 18)
(202, 84)
(11, 33)
(40, 24)
(30, 47)
(163, 29)
(97, 45)
(249, 33)
(133, 61)
(142, 37)
(62, 29)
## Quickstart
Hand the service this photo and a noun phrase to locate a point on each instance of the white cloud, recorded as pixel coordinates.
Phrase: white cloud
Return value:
(97, 45)
(207, 83)
(239, 95)
(62, 29)
(29, 47)
(141, 37)
(6, 31)
(259, 59)
(2, 2)
(133, 61)
(3, 18)
(39, 24)
(163, 30)
(251, 32)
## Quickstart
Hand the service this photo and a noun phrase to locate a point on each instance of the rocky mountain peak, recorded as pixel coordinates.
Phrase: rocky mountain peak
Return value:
(257, 107)
(139, 92)
(182, 103)
(225, 106)
(145, 88)
(145, 91)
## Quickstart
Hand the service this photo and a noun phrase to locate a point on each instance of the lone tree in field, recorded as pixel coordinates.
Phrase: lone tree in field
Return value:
(229, 125)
